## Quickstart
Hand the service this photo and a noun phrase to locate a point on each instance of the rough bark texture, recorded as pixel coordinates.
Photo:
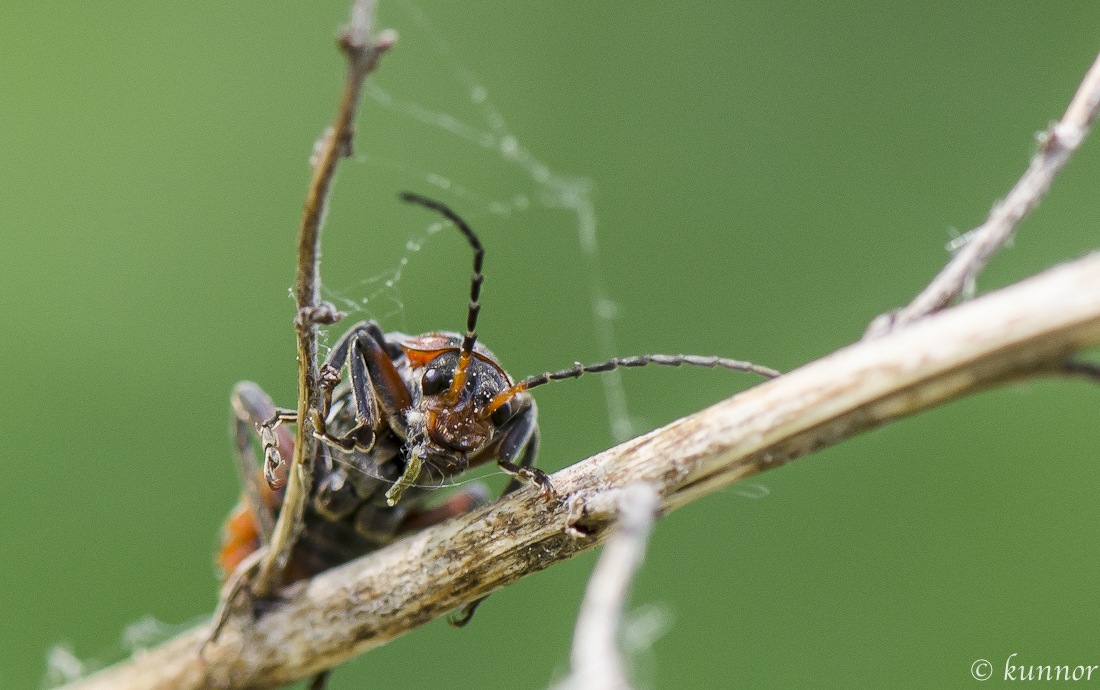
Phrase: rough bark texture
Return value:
(1023, 330)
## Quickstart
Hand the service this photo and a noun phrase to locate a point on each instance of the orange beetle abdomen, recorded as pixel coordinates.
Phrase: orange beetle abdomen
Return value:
(240, 537)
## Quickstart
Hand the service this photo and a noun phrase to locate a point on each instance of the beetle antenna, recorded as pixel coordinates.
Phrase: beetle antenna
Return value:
(470, 337)
(616, 362)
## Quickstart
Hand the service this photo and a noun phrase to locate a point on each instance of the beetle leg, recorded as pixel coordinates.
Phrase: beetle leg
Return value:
(527, 471)
(330, 377)
(339, 352)
(521, 433)
(235, 585)
(338, 355)
(270, 440)
(465, 614)
(375, 382)
(254, 413)
(361, 437)
(388, 386)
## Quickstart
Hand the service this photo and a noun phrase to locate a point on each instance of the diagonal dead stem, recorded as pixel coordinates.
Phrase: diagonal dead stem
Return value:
(1056, 145)
(1026, 329)
(363, 53)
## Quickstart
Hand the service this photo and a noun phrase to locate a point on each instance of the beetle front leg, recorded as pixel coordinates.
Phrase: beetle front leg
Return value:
(375, 382)
(274, 465)
(329, 378)
(255, 414)
(521, 433)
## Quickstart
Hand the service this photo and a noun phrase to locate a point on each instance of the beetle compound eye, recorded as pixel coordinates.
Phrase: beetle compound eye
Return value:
(502, 414)
(435, 381)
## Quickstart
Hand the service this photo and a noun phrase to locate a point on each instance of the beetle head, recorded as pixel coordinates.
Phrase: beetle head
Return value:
(455, 402)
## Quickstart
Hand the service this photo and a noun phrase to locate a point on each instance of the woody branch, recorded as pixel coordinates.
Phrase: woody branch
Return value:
(596, 659)
(1024, 330)
(1056, 145)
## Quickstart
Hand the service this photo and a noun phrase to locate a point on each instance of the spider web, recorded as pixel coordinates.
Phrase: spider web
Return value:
(548, 188)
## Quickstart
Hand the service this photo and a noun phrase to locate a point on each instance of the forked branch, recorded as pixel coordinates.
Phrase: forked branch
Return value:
(1026, 329)
(1055, 147)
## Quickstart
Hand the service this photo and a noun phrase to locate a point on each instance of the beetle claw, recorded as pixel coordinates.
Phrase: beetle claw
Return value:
(273, 462)
(533, 475)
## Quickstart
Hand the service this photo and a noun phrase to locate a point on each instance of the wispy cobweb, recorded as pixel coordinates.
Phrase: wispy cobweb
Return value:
(750, 490)
(380, 297)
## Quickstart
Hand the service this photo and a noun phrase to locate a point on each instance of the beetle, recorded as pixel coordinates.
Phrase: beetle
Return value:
(413, 413)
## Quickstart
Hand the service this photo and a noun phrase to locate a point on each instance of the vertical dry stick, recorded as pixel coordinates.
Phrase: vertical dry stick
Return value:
(363, 52)
(597, 663)
(1055, 147)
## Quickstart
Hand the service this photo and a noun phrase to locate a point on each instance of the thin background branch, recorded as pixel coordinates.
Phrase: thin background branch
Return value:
(1055, 147)
(363, 53)
(1023, 330)
(596, 658)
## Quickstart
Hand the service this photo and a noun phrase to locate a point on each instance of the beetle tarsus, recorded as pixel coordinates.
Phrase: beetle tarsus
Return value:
(274, 466)
(320, 681)
(542, 480)
(465, 614)
(530, 475)
(237, 585)
(360, 439)
(273, 463)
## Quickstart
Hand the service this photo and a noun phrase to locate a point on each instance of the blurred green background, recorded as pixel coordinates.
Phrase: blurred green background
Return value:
(766, 178)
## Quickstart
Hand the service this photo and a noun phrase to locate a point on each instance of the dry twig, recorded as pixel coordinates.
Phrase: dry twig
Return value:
(1023, 330)
(363, 52)
(1055, 147)
(597, 661)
